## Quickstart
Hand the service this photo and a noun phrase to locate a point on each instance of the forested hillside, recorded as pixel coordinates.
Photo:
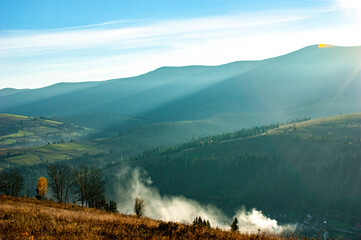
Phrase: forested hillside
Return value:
(304, 167)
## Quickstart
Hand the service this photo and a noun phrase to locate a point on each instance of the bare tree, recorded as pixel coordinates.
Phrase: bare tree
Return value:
(5, 182)
(80, 180)
(11, 182)
(60, 180)
(95, 187)
(139, 206)
(89, 185)
(69, 184)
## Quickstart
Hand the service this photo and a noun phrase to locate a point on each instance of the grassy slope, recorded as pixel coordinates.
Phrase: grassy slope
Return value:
(22, 218)
(48, 153)
(111, 122)
(21, 131)
(131, 143)
(333, 128)
(285, 138)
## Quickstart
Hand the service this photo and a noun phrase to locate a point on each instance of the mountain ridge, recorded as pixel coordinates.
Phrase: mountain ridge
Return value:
(311, 81)
(185, 66)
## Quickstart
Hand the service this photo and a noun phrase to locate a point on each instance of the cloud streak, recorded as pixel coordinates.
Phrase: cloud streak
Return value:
(153, 34)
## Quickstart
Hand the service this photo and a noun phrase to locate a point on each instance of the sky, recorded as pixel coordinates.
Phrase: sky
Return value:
(43, 42)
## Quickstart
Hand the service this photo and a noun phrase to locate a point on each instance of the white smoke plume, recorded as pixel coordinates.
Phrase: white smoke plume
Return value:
(181, 209)
(254, 220)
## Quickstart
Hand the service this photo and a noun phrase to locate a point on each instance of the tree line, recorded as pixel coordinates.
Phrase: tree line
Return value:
(207, 141)
(11, 182)
(82, 184)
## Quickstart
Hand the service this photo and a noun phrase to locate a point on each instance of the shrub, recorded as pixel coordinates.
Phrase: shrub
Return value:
(139, 206)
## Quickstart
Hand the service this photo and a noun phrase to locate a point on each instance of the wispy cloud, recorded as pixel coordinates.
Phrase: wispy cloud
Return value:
(131, 37)
(120, 49)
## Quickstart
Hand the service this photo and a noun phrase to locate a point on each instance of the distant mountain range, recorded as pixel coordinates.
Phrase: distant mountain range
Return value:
(311, 82)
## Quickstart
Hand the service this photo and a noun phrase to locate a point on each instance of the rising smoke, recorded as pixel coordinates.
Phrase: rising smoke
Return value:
(181, 209)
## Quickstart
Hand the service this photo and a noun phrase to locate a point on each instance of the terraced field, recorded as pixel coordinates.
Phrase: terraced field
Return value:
(21, 131)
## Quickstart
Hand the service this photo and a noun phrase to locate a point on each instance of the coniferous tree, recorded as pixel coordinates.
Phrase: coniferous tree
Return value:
(234, 226)
(202, 223)
(111, 206)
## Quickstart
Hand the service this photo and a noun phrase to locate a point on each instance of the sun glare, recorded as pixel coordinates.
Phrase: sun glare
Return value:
(352, 7)
(350, 4)
(322, 45)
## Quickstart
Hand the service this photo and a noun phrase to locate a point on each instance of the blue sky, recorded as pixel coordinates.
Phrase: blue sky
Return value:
(47, 14)
(45, 42)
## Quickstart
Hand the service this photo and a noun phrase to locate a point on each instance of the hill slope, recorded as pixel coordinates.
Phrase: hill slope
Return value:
(313, 82)
(126, 145)
(21, 131)
(23, 218)
(293, 170)
(307, 167)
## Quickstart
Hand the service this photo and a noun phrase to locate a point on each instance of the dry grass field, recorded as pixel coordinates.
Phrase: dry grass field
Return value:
(27, 218)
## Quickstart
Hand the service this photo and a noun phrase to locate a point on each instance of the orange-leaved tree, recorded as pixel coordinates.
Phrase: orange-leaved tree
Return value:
(41, 188)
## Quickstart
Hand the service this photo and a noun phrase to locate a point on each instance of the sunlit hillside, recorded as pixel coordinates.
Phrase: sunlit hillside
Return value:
(25, 218)
(21, 131)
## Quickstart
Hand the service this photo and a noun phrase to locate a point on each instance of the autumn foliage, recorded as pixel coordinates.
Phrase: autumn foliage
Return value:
(41, 188)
